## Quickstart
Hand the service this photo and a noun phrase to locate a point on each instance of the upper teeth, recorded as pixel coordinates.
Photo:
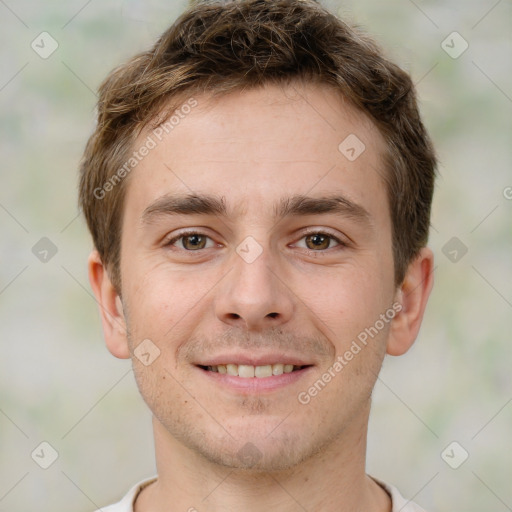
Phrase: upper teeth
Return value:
(249, 371)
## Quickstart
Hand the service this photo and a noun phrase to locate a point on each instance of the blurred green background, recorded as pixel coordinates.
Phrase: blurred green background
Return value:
(60, 385)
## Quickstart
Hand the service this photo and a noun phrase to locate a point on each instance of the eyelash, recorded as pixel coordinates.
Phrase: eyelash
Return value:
(184, 234)
(341, 243)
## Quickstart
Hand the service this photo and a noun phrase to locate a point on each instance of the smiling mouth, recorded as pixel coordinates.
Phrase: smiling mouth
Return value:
(247, 371)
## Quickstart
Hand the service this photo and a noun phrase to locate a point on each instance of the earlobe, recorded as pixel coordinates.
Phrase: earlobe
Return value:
(413, 296)
(110, 306)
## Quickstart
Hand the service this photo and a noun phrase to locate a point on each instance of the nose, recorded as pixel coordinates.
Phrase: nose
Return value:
(254, 296)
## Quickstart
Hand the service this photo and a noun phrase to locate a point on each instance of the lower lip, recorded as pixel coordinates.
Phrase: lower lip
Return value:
(256, 384)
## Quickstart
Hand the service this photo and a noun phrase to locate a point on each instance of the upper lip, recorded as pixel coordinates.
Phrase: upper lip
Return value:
(255, 359)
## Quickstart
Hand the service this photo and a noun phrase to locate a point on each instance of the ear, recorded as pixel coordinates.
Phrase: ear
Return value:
(412, 295)
(111, 308)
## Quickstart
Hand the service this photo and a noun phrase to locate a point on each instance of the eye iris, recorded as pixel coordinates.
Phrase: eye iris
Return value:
(317, 241)
(194, 242)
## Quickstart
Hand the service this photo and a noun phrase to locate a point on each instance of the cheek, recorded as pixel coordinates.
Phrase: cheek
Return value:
(159, 386)
(347, 300)
(153, 288)
(164, 304)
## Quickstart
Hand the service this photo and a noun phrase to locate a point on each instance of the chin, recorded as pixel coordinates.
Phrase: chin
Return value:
(256, 454)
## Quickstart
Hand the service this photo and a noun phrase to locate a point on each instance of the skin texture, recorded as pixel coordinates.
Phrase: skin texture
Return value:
(257, 449)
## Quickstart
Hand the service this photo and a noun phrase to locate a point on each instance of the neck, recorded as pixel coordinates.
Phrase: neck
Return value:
(333, 480)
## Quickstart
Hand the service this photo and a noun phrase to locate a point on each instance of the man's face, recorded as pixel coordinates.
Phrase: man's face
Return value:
(250, 239)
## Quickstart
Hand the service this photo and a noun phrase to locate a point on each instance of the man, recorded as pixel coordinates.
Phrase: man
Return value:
(258, 189)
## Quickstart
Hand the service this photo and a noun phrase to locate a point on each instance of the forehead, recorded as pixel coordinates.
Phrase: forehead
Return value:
(253, 147)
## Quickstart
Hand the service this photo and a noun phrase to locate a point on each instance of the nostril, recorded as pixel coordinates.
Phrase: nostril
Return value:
(273, 315)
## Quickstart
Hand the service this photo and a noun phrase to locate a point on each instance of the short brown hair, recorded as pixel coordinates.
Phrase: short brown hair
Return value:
(221, 46)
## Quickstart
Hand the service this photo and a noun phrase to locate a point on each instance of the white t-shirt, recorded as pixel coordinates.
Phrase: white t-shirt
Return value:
(400, 504)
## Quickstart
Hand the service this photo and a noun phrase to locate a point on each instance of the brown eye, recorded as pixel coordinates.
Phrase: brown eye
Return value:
(318, 241)
(193, 242)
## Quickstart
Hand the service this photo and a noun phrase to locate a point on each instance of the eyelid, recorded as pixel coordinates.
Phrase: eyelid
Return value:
(170, 240)
(340, 240)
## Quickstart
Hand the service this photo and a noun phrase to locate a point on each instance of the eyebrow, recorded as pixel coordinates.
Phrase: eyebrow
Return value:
(296, 205)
